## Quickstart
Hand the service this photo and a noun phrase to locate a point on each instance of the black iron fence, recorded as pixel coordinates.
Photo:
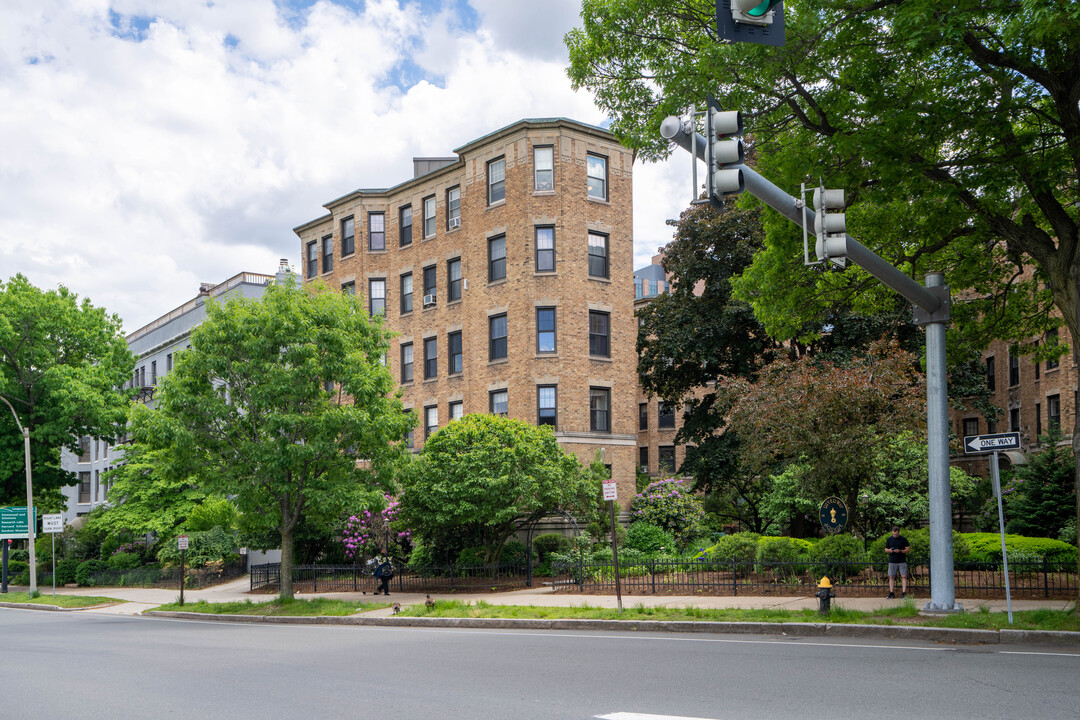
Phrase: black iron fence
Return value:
(358, 578)
(1029, 578)
(1039, 578)
(195, 578)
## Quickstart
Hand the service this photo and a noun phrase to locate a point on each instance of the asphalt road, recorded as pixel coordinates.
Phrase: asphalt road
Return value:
(85, 665)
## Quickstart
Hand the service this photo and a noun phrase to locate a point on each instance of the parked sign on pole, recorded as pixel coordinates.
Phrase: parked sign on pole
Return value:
(611, 490)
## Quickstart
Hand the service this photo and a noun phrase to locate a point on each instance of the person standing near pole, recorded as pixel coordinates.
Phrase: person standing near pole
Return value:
(897, 548)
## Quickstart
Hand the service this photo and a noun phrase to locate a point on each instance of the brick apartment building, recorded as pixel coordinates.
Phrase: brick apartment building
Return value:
(1033, 397)
(506, 273)
(657, 421)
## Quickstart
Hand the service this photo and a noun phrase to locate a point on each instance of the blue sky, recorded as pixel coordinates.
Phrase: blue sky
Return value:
(150, 145)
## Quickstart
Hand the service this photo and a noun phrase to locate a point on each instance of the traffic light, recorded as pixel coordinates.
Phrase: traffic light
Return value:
(750, 21)
(827, 222)
(723, 152)
(753, 12)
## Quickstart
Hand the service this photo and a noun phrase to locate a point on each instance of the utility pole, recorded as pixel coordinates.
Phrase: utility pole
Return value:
(30, 519)
(931, 310)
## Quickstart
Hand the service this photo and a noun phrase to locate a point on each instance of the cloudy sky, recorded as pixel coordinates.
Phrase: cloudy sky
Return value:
(150, 145)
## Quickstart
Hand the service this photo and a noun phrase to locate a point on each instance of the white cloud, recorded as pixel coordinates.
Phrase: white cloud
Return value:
(146, 146)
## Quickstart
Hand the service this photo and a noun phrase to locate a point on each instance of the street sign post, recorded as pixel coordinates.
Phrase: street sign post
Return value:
(182, 544)
(611, 493)
(53, 524)
(976, 444)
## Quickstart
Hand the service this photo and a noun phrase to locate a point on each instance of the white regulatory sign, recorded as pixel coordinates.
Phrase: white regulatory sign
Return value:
(989, 443)
(52, 523)
(610, 490)
(181, 542)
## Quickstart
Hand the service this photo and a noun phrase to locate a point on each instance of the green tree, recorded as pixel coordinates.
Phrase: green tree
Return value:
(62, 364)
(249, 411)
(1039, 495)
(485, 477)
(832, 417)
(953, 126)
(151, 490)
(698, 333)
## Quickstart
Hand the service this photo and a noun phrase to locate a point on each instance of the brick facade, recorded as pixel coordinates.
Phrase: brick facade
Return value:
(1031, 396)
(515, 288)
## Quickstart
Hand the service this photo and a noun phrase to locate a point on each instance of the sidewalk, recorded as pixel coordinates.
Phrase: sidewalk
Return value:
(140, 599)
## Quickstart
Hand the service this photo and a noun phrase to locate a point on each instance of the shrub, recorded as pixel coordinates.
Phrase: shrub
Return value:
(513, 552)
(601, 532)
(838, 557)
(123, 561)
(1068, 532)
(986, 547)
(203, 547)
(15, 567)
(669, 504)
(112, 543)
(19, 556)
(65, 570)
(470, 557)
(920, 547)
(84, 574)
(740, 546)
(549, 543)
(771, 550)
(648, 538)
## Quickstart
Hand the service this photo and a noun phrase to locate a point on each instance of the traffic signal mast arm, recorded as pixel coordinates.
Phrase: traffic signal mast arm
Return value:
(929, 301)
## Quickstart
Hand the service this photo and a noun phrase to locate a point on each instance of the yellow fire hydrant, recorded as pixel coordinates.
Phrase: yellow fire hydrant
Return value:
(824, 595)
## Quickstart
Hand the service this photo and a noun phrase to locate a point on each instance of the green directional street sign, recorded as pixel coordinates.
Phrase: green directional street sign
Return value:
(13, 523)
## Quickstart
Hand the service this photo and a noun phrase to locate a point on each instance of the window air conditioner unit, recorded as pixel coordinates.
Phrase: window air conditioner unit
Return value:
(429, 300)
(455, 222)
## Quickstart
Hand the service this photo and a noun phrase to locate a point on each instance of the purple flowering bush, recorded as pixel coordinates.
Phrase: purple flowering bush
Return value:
(669, 504)
(366, 532)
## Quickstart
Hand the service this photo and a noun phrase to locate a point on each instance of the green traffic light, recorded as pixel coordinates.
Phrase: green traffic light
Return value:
(762, 8)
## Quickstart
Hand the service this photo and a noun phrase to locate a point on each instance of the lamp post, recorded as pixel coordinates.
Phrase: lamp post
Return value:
(30, 524)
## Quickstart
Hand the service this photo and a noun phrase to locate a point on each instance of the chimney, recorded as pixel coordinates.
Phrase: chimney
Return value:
(284, 272)
(205, 288)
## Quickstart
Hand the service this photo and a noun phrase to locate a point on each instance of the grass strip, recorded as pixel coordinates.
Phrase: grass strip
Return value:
(64, 601)
(295, 608)
(904, 614)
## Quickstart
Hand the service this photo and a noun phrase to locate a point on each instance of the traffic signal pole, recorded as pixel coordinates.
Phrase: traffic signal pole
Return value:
(931, 310)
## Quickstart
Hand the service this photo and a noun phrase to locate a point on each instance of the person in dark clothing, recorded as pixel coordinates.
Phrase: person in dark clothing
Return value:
(383, 572)
(897, 548)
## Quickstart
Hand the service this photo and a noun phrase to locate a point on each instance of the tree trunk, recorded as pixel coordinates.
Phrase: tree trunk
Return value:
(1076, 471)
(1065, 281)
(286, 565)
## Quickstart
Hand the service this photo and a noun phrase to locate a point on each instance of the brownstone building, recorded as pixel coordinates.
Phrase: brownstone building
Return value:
(506, 273)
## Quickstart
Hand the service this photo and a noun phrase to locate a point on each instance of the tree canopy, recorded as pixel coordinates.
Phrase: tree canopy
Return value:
(488, 476)
(62, 366)
(253, 408)
(953, 126)
(832, 417)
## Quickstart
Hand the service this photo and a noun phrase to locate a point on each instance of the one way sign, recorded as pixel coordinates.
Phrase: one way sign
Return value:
(991, 443)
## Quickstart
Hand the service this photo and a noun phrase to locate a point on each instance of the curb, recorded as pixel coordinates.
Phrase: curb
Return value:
(37, 606)
(885, 632)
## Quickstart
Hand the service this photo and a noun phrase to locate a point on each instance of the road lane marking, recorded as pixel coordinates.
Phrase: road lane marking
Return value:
(1033, 652)
(643, 716)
